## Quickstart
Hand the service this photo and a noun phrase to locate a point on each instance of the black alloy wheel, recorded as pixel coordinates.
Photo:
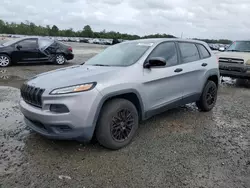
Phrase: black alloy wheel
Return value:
(211, 95)
(117, 124)
(122, 125)
(208, 98)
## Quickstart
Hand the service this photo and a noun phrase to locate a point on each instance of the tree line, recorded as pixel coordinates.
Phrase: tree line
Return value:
(30, 28)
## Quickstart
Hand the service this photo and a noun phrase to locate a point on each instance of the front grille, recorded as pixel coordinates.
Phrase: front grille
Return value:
(231, 60)
(32, 95)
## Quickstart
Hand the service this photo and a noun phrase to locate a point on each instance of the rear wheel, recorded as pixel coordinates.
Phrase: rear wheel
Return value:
(60, 59)
(5, 60)
(208, 98)
(117, 124)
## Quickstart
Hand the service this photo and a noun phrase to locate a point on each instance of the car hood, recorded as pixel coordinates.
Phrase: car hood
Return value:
(238, 55)
(72, 76)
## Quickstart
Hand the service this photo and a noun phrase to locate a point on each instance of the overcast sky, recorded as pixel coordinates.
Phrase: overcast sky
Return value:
(195, 18)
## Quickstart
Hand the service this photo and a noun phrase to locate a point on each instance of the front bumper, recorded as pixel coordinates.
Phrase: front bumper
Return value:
(234, 70)
(77, 124)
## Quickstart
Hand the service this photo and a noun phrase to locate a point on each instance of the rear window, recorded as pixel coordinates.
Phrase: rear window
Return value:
(189, 52)
(203, 51)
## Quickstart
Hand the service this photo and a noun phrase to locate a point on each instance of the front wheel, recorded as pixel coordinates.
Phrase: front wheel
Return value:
(208, 98)
(60, 59)
(117, 124)
(5, 60)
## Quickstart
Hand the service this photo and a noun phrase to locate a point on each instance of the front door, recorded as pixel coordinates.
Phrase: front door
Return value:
(26, 50)
(162, 84)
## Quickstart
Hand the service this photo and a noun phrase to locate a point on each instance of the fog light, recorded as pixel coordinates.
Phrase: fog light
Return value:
(59, 108)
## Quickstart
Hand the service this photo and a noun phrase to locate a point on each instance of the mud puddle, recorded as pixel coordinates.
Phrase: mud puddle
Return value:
(12, 130)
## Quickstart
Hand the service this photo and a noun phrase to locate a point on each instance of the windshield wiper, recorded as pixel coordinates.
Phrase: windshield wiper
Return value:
(101, 65)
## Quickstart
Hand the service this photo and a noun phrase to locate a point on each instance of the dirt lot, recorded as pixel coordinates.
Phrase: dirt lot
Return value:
(179, 148)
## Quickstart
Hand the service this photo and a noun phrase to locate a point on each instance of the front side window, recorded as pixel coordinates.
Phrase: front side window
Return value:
(167, 51)
(189, 52)
(29, 43)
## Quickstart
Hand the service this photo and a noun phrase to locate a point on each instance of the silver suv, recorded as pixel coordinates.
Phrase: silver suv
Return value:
(128, 82)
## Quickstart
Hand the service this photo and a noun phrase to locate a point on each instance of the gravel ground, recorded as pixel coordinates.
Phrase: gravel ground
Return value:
(180, 148)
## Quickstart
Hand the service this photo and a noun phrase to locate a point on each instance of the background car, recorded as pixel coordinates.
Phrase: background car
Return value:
(34, 49)
(234, 61)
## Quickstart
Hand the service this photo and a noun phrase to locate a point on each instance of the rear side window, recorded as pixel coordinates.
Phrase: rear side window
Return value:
(189, 52)
(167, 51)
(203, 51)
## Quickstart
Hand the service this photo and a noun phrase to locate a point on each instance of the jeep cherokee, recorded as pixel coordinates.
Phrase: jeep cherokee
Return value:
(114, 90)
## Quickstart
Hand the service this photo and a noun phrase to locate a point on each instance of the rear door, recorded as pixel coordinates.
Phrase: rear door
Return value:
(28, 50)
(194, 67)
(162, 84)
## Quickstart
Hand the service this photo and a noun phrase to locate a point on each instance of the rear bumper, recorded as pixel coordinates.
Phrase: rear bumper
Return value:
(69, 56)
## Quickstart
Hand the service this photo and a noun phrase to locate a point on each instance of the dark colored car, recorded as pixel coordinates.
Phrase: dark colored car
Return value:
(34, 49)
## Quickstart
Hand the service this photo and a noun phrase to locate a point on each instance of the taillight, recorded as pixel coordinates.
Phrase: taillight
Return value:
(70, 49)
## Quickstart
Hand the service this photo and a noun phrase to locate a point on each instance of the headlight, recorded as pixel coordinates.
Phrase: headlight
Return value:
(248, 62)
(73, 89)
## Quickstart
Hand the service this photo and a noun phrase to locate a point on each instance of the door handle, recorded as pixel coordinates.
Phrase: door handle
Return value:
(178, 70)
(204, 64)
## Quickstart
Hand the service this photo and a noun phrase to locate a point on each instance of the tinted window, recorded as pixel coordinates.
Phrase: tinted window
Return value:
(30, 43)
(203, 51)
(189, 52)
(168, 51)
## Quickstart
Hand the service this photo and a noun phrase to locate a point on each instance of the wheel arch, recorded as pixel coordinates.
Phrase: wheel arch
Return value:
(213, 75)
(129, 94)
(215, 79)
(5, 53)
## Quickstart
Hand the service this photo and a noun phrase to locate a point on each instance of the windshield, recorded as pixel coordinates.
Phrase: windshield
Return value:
(12, 41)
(123, 54)
(240, 46)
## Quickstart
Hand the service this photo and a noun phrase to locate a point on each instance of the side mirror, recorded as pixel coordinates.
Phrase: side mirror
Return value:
(155, 62)
(222, 49)
(18, 46)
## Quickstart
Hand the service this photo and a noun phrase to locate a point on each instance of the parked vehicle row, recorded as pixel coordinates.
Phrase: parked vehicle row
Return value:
(126, 83)
(34, 49)
(218, 46)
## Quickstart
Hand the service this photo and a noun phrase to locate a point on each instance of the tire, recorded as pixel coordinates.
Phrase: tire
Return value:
(5, 60)
(60, 59)
(114, 131)
(208, 98)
